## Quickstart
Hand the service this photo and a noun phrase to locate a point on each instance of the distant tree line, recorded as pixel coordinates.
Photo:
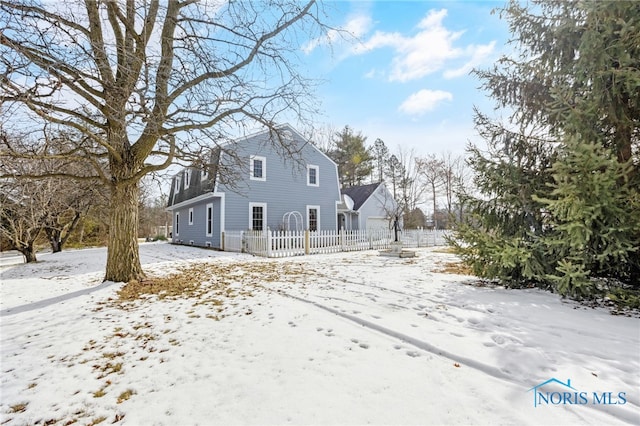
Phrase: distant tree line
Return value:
(412, 179)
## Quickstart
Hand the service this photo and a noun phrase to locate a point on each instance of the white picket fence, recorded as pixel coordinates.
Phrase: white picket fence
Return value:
(297, 243)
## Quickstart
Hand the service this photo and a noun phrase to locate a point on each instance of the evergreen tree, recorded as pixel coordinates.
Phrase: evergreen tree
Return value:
(568, 214)
(354, 160)
(381, 157)
(594, 230)
(501, 235)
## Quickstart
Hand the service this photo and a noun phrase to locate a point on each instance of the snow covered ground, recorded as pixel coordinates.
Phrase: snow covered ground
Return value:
(350, 338)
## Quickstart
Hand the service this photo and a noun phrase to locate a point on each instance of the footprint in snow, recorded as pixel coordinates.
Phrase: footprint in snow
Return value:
(413, 354)
(291, 323)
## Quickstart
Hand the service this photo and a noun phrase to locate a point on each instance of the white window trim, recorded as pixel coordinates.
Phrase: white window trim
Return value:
(208, 208)
(191, 216)
(264, 214)
(177, 224)
(308, 219)
(187, 178)
(178, 179)
(317, 169)
(264, 168)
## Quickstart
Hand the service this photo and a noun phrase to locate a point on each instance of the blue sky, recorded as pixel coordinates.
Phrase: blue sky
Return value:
(407, 79)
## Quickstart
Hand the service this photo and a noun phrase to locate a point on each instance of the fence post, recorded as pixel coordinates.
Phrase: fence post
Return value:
(222, 241)
(268, 242)
(243, 243)
(341, 238)
(306, 242)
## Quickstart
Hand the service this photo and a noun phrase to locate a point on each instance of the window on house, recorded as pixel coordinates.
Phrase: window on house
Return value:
(313, 220)
(191, 216)
(177, 223)
(209, 226)
(258, 216)
(187, 178)
(258, 167)
(312, 175)
(177, 188)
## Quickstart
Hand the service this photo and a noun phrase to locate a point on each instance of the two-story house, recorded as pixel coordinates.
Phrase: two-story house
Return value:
(258, 182)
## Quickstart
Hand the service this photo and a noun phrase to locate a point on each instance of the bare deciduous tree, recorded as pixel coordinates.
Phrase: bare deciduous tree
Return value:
(37, 199)
(430, 169)
(145, 81)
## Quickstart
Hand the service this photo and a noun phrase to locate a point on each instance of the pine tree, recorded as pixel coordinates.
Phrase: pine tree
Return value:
(381, 157)
(354, 160)
(594, 230)
(500, 237)
(568, 214)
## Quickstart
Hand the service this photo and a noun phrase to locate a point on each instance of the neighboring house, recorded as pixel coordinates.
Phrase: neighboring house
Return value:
(367, 207)
(249, 184)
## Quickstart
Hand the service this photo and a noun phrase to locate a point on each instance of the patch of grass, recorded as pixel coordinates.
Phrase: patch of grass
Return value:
(97, 420)
(112, 355)
(32, 385)
(107, 369)
(207, 282)
(125, 395)
(453, 268)
(171, 286)
(99, 393)
(18, 408)
(447, 250)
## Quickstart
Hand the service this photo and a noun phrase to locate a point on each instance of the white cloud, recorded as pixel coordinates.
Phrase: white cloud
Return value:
(478, 55)
(423, 101)
(426, 52)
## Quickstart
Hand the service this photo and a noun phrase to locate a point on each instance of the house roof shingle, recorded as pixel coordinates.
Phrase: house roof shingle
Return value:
(360, 194)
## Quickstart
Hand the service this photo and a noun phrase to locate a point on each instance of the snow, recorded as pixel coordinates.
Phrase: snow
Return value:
(349, 338)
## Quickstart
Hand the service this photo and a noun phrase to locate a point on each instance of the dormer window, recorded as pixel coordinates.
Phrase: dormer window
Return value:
(177, 188)
(187, 178)
(258, 168)
(313, 175)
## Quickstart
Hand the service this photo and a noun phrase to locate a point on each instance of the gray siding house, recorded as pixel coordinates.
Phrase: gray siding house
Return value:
(250, 184)
(367, 207)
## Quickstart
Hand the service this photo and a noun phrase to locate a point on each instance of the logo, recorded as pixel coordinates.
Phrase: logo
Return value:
(556, 392)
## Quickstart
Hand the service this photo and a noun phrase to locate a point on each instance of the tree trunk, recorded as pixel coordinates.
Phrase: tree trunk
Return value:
(28, 253)
(56, 245)
(123, 259)
(53, 235)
